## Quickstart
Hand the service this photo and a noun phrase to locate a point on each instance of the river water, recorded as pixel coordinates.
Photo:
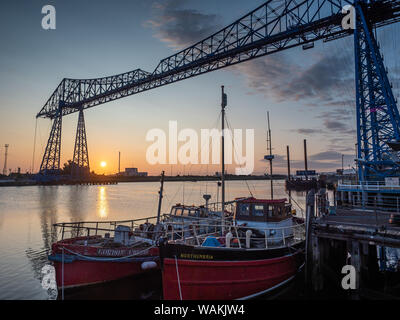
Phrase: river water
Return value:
(27, 214)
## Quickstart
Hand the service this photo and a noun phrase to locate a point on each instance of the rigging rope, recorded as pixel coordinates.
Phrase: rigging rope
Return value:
(179, 281)
(237, 156)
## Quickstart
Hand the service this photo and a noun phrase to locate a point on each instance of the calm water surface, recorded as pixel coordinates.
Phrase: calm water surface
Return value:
(27, 214)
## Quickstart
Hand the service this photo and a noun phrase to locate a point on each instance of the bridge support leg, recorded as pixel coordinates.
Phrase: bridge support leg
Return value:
(80, 161)
(51, 158)
(378, 119)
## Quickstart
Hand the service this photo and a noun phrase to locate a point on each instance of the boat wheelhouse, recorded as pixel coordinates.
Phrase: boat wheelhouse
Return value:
(186, 221)
(256, 214)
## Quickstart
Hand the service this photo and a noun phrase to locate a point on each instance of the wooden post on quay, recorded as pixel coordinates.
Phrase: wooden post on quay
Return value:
(310, 209)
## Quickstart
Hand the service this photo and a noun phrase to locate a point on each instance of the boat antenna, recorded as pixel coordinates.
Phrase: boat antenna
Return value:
(160, 197)
(270, 157)
(224, 102)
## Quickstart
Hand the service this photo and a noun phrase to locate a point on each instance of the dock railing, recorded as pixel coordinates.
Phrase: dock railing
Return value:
(372, 202)
(368, 186)
(367, 196)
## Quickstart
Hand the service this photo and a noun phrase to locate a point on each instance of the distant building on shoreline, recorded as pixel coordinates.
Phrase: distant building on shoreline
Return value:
(133, 172)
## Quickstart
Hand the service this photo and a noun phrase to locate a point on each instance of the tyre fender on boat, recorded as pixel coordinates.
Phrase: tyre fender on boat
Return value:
(228, 238)
(248, 237)
(148, 265)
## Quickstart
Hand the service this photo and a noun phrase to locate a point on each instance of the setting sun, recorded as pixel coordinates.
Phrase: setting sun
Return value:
(103, 164)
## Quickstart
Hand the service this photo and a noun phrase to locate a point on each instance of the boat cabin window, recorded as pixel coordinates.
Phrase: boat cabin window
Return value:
(244, 209)
(276, 212)
(262, 211)
(192, 213)
(203, 212)
(186, 212)
(259, 210)
(176, 211)
(288, 210)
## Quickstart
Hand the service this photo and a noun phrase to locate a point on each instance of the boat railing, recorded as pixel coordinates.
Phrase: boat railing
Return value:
(271, 237)
(203, 227)
(187, 219)
(217, 206)
(96, 228)
(143, 227)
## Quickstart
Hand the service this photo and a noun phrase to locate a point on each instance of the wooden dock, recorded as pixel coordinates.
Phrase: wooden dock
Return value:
(354, 237)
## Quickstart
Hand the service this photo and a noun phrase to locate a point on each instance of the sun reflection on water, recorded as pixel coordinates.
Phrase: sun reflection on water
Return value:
(102, 203)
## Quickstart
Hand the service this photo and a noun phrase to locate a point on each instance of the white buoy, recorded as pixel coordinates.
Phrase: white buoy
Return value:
(248, 236)
(228, 238)
(147, 265)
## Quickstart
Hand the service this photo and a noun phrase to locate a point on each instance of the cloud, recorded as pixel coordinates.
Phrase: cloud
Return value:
(319, 81)
(324, 82)
(325, 88)
(328, 160)
(269, 75)
(335, 125)
(180, 27)
(306, 131)
(328, 156)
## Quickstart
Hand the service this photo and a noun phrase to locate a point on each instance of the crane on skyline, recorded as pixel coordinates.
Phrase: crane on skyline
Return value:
(272, 27)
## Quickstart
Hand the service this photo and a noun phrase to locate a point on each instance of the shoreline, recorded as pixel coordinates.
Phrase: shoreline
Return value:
(115, 180)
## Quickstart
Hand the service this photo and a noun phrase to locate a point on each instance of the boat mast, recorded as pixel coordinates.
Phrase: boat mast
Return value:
(224, 101)
(160, 197)
(270, 157)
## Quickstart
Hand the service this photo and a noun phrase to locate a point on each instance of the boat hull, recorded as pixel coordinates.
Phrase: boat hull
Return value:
(77, 266)
(215, 274)
(84, 273)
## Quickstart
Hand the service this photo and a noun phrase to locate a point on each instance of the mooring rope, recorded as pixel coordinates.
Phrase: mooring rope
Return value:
(177, 275)
(62, 275)
(296, 203)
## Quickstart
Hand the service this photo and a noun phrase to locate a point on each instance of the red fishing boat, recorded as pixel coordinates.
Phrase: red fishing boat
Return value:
(116, 250)
(259, 252)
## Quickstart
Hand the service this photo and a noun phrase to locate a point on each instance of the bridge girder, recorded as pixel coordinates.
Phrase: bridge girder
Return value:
(272, 27)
